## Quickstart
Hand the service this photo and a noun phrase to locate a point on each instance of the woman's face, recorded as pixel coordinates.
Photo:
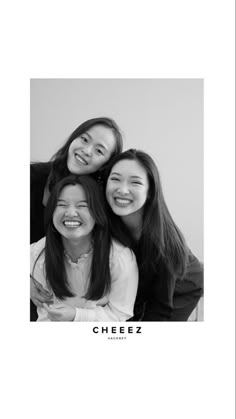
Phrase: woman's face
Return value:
(72, 217)
(127, 188)
(91, 150)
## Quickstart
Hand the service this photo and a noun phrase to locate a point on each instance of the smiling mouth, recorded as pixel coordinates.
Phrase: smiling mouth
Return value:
(123, 202)
(80, 159)
(72, 224)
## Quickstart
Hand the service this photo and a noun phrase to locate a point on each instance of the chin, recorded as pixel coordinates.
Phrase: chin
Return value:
(75, 171)
(121, 212)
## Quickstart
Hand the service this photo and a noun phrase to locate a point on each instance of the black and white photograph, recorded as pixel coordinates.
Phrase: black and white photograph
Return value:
(118, 209)
(105, 245)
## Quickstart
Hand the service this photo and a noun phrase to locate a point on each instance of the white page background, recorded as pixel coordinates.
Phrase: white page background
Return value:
(170, 370)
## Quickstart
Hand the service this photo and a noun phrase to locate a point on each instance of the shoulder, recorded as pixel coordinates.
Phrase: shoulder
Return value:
(40, 170)
(37, 248)
(37, 262)
(123, 265)
(120, 252)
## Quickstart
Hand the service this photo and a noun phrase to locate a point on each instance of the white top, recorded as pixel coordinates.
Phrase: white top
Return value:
(117, 305)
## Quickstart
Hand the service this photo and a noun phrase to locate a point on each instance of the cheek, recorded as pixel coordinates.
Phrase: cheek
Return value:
(70, 149)
(87, 217)
(56, 217)
(90, 223)
(54, 220)
(105, 159)
(69, 156)
(143, 196)
(75, 143)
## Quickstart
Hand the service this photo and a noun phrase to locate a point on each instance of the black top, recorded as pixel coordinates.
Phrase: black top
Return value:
(159, 300)
(156, 299)
(39, 173)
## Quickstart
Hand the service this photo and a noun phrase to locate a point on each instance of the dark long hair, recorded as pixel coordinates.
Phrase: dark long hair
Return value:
(161, 247)
(100, 280)
(59, 160)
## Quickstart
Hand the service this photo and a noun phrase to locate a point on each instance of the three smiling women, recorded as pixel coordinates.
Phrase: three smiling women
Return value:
(170, 277)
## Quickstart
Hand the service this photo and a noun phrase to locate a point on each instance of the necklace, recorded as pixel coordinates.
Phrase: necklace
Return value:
(82, 256)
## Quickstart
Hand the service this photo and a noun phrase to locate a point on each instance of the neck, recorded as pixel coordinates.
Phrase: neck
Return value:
(134, 223)
(76, 248)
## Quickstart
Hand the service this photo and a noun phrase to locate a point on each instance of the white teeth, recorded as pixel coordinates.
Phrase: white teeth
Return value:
(72, 223)
(80, 159)
(122, 201)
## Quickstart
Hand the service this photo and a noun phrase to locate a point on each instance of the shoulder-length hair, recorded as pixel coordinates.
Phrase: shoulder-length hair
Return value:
(59, 160)
(100, 279)
(161, 246)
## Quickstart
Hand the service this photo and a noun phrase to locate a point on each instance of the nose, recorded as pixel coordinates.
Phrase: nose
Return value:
(87, 149)
(71, 212)
(123, 189)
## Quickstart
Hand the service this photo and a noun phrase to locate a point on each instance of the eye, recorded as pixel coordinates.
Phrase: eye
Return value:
(115, 179)
(84, 139)
(59, 204)
(136, 183)
(99, 151)
(82, 206)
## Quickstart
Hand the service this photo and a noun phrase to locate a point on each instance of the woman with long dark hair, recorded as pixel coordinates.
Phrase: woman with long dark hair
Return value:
(170, 276)
(87, 151)
(91, 276)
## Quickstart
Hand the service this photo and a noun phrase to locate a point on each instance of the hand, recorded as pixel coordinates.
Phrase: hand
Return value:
(60, 312)
(38, 294)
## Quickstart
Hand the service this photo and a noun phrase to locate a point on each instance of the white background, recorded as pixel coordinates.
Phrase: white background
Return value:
(171, 370)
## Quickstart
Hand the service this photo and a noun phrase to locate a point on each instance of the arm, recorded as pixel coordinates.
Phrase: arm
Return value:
(119, 307)
(188, 290)
(166, 297)
(192, 282)
(38, 294)
(159, 303)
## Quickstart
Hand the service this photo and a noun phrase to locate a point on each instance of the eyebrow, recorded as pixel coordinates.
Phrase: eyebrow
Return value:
(136, 177)
(91, 138)
(64, 200)
(120, 174)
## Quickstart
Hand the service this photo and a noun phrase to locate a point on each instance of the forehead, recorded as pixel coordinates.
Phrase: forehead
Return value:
(130, 168)
(73, 192)
(103, 135)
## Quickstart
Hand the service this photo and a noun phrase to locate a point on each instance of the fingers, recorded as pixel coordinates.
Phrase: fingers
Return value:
(44, 299)
(38, 301)
(54, 308)
(40, 288)
(47, 308)
(60, 312)
(38, 294)
(39, 298)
